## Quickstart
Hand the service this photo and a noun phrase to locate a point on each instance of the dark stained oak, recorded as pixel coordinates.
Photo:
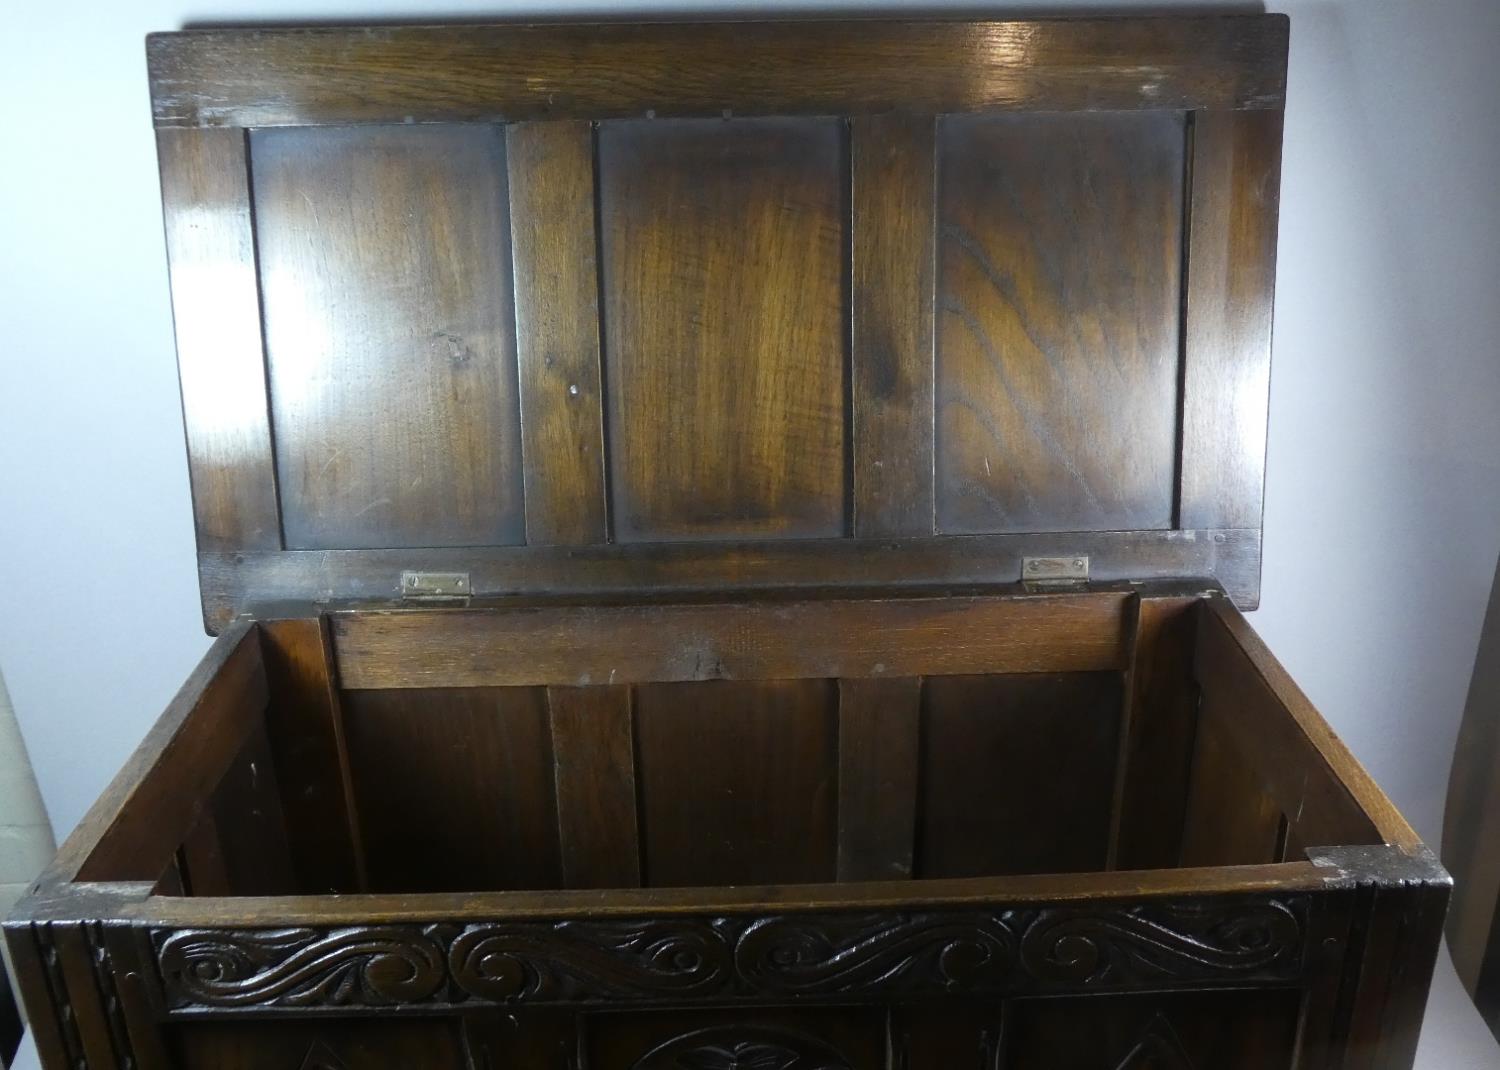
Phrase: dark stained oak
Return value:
(879, 732)
(737, 782)
(724, 255)
(892, 160)
(1017, 773)
(738, 367)
(1059, 254)
(418, 758)
(220, 361)
(551, 168)
(835, 637)
(595, 71)
(593, 754)
(385, 276)
(1231, 272)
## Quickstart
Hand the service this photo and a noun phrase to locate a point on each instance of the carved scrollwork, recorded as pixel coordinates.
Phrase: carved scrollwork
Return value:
(1089, 946)
(743, 1048)
(585, 960)
(806, 956)
(367, 966)
(754, 957)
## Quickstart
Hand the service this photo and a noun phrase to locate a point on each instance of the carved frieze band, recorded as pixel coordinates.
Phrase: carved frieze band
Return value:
(1080, 948)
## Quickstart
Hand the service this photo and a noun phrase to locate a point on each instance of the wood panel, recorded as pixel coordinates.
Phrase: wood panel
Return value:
(1232, 819)
(1248, 1030)
(435, 74)
(878, 766)
(557, 331)
(1059, 303)
(220, 359)
(305, 721)
(1229, 558)
(892, 179)
(454, 788)
(593, 748)
(724, 272)
(1017, 773)
(738, 781)
(131, 833)
(852, 1038)
(1231, 279)
(250, 825)
(771, 639)
(390, 340)
(1291, 749)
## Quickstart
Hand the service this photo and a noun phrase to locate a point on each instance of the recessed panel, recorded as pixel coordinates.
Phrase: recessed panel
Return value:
(1059, 298)
(1017, 773)
(724, 259)
(454, 788)
(390, 341)
(738, 781)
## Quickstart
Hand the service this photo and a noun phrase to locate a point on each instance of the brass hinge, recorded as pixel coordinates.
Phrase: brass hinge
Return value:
(435, 586)
(1070, 571)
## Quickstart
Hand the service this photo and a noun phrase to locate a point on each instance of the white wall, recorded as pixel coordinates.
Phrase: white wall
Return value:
(1383, 496)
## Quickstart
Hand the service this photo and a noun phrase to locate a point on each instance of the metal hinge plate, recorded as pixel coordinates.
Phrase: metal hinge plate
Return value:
(1069, 571)
(435, 586)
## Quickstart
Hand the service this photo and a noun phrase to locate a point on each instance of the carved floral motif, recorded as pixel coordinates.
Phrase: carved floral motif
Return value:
(743, 1048)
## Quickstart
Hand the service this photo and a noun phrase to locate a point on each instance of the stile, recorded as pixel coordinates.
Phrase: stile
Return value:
(878, 769)
(593, 751)
(557, 331)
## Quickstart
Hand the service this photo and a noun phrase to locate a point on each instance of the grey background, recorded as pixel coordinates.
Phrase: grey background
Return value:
(1383, 493)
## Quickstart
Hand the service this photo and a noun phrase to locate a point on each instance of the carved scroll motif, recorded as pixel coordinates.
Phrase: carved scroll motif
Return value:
(767, 957)
(367, 966)
(1089, 947)
(573, 960)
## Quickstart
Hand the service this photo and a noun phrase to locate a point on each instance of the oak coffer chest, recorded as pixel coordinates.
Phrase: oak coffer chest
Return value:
(725, 541)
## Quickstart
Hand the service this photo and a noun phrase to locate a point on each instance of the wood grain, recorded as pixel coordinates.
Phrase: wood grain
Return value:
(1231, 277)
(723, 246)
(1057, 342)
(1017, 773)
(305, 720)
(390, 340)
(454, 788)
(593, 751)
(220, 357)
(1232, 819)
(738, 781)
(878, 768)
(300, 579)
(808, 67)
(831, 638)
(893, 234)
(557, 331)
(131, 833)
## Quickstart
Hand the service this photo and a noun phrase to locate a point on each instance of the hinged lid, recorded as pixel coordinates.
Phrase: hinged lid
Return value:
(608, 308)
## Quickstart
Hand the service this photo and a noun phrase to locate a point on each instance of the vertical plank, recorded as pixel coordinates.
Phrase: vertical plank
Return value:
(891, 165)
(138, 1017)
(593, 751)
(551, 169)
(724, 318)
(1160, 756)
(454, 788)
(878, 765)
(220, 352)
(1017, 773)
(203, 858)
(390, 335)
(738, 781)
(54, 1037)
(1059, 289)
(305, 723)
(75, 958)
(1231, 275)
(1128, 720)
(250, 826)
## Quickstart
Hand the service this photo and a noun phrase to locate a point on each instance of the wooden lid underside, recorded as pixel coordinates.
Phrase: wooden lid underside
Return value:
(632, 307)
